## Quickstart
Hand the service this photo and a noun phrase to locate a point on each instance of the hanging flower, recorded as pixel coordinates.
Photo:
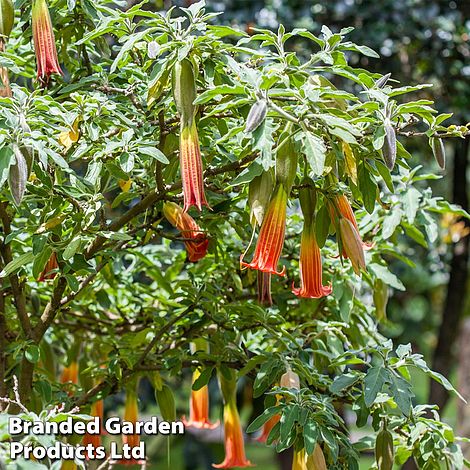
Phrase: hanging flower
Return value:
(199, 407)
(233, 433)
(196, 242)
(131, 414)
(191, 168)
(299, 460)
(271, 237)
(50, 270)
(311, 285)
(44, 42)
(97, 412)
(184, 93)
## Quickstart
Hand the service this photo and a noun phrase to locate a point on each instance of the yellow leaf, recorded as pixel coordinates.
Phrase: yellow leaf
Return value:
(68, 138)
(125, 185)
(351, 166)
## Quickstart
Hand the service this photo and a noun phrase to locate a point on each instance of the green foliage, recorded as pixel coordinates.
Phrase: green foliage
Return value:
(103, 157)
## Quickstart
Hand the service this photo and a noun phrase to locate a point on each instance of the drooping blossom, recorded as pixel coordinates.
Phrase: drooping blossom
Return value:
(196, 241)
(97, 412)
(50, 270)
(131, 414)
(352, 244)
(311, 284)
(44, 42)
(199, 407)
(185, 93)
(271, 237)
(233, 433)
(299, 460)
(191, 168)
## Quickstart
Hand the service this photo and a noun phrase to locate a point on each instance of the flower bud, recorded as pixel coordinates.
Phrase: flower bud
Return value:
(439, 151)
(389, 150)
(384, 450)
(7, 18)
(256, 116)
(352, 244)
(290, 380)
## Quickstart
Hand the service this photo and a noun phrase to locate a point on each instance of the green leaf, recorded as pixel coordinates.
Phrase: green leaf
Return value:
(374, 381)
(290, 415)
(311, 433)
(32, 353)
(391, 222)
(315, 151)
(71, 248)
(6, 159)
(381, 272)
(155, 153)
(14, 265)
(263, 418)
(368, 188)
(343, 381)
(203, 378)
(411, 201)
(401, 392)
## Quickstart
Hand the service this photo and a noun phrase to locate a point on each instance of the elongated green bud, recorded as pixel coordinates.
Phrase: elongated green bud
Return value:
(380, 298)
(286, 163)
(389, 150)
(384, 450)
(184, 90)
(256, 115)
(7, 17)
(166, 403)
(439, 151)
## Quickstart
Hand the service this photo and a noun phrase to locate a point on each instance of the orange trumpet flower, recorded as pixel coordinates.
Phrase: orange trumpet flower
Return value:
(96, 411)
(199, 407)
(233, 433)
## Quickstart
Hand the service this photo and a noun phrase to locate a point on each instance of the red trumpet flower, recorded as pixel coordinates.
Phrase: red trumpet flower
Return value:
(233, 433)
(44, 42)
(264, 289)
(199, 407)
(271, 237)
(191, 168)
(50, 270)
(311, 285)
(196, 242)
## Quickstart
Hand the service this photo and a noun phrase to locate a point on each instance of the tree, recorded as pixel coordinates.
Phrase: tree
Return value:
(110, 259)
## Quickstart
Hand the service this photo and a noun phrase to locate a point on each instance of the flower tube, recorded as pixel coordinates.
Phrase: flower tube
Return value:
(199, 401)
(311, 284)
(196, 242)
(233, 433)
(97, 412)
(44, 42)
(271, 237)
